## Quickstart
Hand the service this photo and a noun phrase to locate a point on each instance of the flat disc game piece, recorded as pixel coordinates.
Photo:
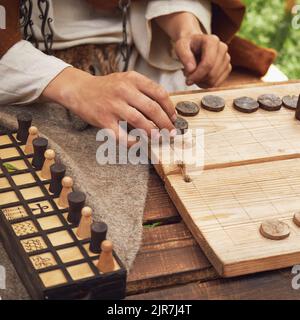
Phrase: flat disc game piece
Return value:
(296, 219)
(181, 125)
(269, 102)
(290, 102)
(213, 103)
(274, 230)
(245, 104)
(187, 108)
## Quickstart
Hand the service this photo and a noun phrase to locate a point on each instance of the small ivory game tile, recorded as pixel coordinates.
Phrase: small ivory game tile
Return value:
(21, 179)
(32, 193)
(42, 261)
(24, 228)
(33, 244)
(70, 254)
(53, 278)
(80, 271)
(59, 238)
(50, 222)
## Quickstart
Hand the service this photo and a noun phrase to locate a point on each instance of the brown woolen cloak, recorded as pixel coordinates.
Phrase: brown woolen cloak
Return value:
(227, 17)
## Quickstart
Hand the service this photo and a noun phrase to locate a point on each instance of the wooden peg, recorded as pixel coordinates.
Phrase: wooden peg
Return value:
(67, 184)
(84, 228)
(106, 261)
(33, 134)
(49, 161)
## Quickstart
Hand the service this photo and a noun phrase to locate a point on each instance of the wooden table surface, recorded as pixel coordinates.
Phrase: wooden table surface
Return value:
(171, 265)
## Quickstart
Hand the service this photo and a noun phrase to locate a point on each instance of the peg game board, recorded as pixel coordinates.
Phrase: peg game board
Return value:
(251, 174)
(50, 259)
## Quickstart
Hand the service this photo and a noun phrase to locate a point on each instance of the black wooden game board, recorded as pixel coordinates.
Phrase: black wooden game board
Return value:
(51, 260)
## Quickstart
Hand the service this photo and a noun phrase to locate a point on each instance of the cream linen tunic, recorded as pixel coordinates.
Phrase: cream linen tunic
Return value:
(26, 71)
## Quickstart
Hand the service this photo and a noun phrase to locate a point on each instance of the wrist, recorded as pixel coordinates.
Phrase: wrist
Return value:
(65, 87)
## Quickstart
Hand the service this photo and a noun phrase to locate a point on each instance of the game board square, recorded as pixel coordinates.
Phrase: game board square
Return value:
(40, 207)
(8, 197)
(22, 179)
(4, 140)
(33, 244)
(9, 153)
(53, 278)
(42, 261)
(80, 271)
(50, 222)
(70, 254)
(14, 213)
(24, 228)
(18, 165)
(32, 193)
(60, 238)
(4, 183)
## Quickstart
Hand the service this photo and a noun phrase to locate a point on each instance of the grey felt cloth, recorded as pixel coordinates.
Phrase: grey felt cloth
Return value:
(117, 193)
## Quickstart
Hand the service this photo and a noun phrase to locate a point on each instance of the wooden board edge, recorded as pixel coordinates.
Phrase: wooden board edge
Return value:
(210, 254)
(236, 87)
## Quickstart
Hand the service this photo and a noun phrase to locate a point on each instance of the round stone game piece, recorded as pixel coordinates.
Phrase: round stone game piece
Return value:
(39, 148)
(296, 219)
(290, 102)
(269, 102)
(76, 201)
(24, 122)
(181, 125)
(274, 230)
(245, 104)
(58, 172)
(187, 108)
(98, 235)
(213, 103)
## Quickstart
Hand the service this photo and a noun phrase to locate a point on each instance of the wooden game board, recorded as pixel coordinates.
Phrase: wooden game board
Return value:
(251, 173)
(50, 259)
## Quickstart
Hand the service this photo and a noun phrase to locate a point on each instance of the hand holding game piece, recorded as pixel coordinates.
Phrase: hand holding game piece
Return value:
(269, 102)
(76, 202)
(67, 185)
(49, 161)
(33, 134)
(187, 108)
(245, 104)
(98, 235)
(39, 148)
(84, 228)
(58, 171)
(24, 122)
(213, 103)
(106, 261)
(274, 230)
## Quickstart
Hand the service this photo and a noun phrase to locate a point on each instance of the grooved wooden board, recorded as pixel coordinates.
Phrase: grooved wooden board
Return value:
(251, 173)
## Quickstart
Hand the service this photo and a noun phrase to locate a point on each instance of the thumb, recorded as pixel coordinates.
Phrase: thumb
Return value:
(186, 56)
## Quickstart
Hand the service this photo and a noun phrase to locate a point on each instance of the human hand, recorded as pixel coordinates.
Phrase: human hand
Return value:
(205, 59)
(106, 100)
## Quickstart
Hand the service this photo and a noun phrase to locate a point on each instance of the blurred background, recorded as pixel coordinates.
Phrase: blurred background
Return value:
(269, 23)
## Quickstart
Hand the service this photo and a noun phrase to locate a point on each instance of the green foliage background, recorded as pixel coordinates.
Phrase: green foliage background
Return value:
(269, 24)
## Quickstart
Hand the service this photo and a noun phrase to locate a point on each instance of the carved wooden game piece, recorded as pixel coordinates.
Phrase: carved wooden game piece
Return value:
(39, 148)
(296, 219)
(106, 260)
(67, 185)
(274, 230)
(33, 134)
(269, 102)
(245, 104)
(187, 108)
(24, 122)
(84, 228)
(181, 125)
(76, 201)
(49, 161)
(213, 103)
(290, 102)
(58, 171)
(297, 114)
(98, 235)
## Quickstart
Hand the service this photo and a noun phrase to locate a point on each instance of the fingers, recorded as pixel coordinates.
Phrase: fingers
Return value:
(209, 53)
(215, 63)
(156, 92)
(224, 76)
(136, 119)
(186, 56)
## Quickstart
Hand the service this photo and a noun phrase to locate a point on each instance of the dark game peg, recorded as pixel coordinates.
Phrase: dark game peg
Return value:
(24, 122)
(76, 201)
(58, 172)
(297, 115)
(98, 234)
(39, 148)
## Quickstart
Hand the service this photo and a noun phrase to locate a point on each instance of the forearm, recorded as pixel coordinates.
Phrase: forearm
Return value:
(179, 25)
